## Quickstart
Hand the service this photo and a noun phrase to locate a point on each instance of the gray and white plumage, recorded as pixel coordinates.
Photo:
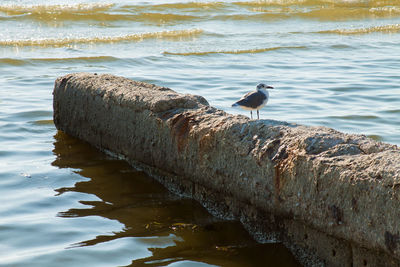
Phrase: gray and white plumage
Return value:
(254, 100)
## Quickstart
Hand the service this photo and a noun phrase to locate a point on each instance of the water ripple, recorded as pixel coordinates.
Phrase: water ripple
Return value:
(244, 51)
(174, 35)
(391, 28)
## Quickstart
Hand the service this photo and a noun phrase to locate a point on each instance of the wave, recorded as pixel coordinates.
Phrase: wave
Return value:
(58, 18)
(59, 9)
(43, 122)
(12, 61)
(331, 12)
(328, 10)
(58, 13)
(188, 6)
(392, 28)
(100, 12)
(219, 5)
(164, 18)
(394, 111)
(356, 117)
(177, 34)
(245, 51)
(28, 61)
(335, 13)
(305, 3)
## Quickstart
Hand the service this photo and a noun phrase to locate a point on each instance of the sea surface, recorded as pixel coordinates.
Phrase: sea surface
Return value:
(332, 62)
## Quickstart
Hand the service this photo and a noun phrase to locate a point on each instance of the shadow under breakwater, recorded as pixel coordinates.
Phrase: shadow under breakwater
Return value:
(147, 209)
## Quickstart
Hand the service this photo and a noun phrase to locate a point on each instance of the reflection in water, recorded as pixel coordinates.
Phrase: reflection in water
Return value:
(147, 209)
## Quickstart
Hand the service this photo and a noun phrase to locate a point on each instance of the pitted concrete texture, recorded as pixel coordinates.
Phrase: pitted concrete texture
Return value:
(331, 197)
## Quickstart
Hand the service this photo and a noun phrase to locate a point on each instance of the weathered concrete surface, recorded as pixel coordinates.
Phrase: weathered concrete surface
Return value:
(333, 198)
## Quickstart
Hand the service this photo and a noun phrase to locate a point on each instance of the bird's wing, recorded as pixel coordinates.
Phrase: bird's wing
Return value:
(248, 94)
(252, 99)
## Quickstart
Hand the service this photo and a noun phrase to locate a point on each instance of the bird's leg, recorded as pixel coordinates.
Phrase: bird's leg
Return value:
(258, 115)
(251, 114)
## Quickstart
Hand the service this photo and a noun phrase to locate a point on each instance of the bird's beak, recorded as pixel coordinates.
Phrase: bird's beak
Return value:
(270, 87)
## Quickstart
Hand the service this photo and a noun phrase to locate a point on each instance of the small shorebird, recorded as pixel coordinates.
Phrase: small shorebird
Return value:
(254, 100)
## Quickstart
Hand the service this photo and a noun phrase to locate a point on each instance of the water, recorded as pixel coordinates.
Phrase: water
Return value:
(333, 63)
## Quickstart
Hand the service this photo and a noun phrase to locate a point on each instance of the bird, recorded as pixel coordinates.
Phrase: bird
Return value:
(254, 100)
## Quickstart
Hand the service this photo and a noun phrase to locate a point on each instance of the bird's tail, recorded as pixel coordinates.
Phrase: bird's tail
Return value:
(235, 104)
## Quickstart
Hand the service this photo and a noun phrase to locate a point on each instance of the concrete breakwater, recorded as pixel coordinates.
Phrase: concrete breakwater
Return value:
(332, 198)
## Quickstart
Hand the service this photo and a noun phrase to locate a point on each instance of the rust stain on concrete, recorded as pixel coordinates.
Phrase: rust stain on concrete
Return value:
(180, 128)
